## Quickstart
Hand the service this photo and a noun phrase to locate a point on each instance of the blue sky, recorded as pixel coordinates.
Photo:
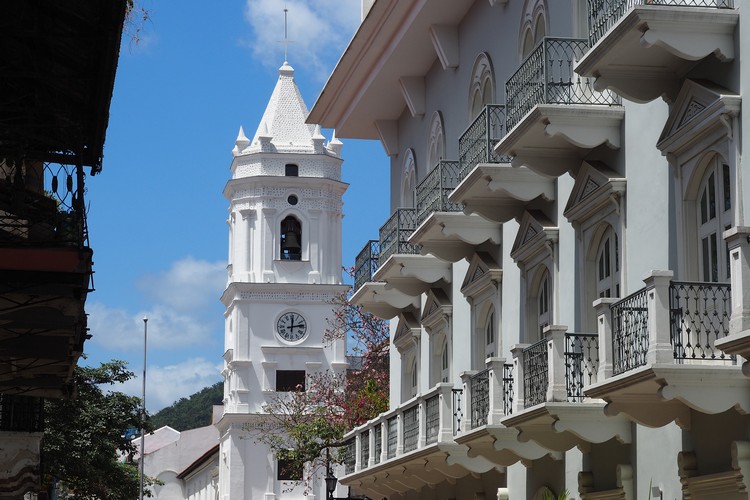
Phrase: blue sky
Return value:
(156, 212)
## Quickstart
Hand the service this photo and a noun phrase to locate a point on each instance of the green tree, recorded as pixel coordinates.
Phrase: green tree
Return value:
(191, 412)
(84, 437)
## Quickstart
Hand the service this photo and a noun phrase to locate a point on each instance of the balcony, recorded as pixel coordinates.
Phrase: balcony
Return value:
(409, 447)
(642, 49)
(489, 396)
(556, 117)
(551, 408)
(401, 267)
(737, 342)
(476, 145)
(45, 263)
(443, 229)
(659, 355)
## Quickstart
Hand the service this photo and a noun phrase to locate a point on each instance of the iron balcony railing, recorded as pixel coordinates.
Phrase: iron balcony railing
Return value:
(433, 191)
(349, 456)
(581, 363)
(699, 315)
(411, 428)
(604, 14)
(21, 413)
(41, 204)
(458, 413)
(480, 398)
(432, 419)
(546, 77)
(364, 449)
(394, 234)
(424, 420)
(508, 388)
(535, 373)
(366, 264)
(477, 144)
(630, 332)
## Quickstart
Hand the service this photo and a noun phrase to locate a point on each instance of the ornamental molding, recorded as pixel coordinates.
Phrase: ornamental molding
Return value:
(536, 234)
(408, 332)
(596, 186)
(483, 273)
(437, 310)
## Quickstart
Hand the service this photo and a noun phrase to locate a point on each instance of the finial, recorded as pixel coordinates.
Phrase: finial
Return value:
(286, 40)
(242, 141)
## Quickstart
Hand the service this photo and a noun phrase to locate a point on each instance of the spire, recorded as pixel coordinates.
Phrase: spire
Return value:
(242, 141)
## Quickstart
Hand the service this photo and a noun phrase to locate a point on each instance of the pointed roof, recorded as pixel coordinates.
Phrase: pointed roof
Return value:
(285, 115)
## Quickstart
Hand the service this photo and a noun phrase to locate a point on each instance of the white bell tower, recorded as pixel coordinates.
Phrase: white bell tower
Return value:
(284, 269)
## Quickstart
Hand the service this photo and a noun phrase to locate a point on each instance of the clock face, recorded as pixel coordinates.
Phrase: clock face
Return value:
(291, 326)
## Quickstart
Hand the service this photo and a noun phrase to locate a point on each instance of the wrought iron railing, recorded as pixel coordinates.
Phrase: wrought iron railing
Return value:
(535, 374)
(392, 437)
(41, 204)
(21, 413)
(366, 264)
(378, 443)
(411, 428)
(630, 332)
(477, 144)
(700, 314)
(458, 413)
(480, 398)
(546, 77)
(433, 191)
(581, 363)
(604, 14)
(349, 456)
(364, 449)
(432, 419)
(508, 388)
(394, 234)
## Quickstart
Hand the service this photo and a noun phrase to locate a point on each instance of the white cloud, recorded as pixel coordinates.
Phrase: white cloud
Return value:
(167, 384)
(188, 285)
(319, 30)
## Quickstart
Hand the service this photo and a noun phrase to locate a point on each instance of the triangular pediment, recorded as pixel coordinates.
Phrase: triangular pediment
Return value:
(699, 107)
(407, 331)
(483, 272)
(535, 229)
(594, 187)
(437, 307)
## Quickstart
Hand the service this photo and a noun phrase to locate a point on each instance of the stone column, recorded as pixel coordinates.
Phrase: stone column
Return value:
(659, 328)
(604, 329)
(557, 389)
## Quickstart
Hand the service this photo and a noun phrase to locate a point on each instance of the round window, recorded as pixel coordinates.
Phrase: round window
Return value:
(292, 199)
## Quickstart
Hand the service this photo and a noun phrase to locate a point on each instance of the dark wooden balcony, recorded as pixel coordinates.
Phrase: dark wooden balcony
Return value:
(640, 49)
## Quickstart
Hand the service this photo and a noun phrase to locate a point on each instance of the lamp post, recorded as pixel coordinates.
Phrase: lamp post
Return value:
(143, 408)
(330, 478)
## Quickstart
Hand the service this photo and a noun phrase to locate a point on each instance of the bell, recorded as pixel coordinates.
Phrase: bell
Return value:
(290, 243)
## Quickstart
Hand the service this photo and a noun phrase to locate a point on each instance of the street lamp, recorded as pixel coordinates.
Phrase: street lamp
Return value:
(330, 478)
(143, 409)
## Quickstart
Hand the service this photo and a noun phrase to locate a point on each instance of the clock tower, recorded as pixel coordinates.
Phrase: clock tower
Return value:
(284, 269)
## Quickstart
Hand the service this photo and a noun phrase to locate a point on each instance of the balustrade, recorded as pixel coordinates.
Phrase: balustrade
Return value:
(536, 373)
(366, 263)
(604, 14)
(546, 76)
(21, 413)
(480, 398)
(700, 314)
(434, 189)
(477, 144)
(395, 233)
(581, 363)
(364, 449)
(458, 412)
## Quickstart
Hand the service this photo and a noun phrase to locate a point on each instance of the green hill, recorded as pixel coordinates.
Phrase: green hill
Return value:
(191, 412)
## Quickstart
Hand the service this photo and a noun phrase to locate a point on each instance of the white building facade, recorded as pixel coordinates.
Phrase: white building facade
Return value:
(284, 270)
(566, 266)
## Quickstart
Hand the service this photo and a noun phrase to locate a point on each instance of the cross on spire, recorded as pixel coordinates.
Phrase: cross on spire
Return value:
(286, 40)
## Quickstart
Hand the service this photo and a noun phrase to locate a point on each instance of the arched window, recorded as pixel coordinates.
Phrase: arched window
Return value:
(533, 27)
(414, 378)
(409, 180)
(608, 265)
(445, 362)
(291, 239)
(490, 336)
(436, 141)
(714, 212)
(543, 303)
(482, 90)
